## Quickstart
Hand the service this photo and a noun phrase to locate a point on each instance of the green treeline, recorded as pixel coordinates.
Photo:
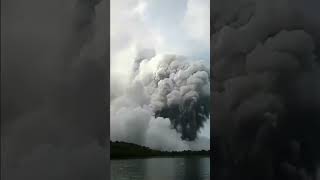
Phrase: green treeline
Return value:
(123, 150)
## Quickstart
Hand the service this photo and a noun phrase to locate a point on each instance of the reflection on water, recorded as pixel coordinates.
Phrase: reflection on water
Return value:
(192, 168)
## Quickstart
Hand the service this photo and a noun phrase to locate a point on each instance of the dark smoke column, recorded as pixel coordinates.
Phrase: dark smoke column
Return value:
(266, 89)
(188, 117)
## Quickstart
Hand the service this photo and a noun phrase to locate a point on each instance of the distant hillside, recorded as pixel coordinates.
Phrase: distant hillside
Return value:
(125, 150)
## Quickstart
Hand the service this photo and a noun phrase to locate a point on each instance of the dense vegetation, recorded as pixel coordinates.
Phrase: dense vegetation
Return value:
(123, 150)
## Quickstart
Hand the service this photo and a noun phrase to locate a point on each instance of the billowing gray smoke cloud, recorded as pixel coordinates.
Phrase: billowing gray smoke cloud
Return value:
(53, 89)
(266, 96)
(165, 105)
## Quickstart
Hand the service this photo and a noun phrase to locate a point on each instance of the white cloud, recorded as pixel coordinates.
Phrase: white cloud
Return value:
(196, 20)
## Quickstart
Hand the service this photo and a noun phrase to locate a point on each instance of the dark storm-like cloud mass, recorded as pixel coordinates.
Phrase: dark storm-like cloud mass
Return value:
(265, 69)
(53, 89)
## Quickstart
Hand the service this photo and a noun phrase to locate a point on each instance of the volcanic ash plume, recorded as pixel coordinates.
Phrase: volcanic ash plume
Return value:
(266, 89)
(166, 103)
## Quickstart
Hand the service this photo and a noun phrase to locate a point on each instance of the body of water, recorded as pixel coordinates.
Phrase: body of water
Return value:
(187, 168)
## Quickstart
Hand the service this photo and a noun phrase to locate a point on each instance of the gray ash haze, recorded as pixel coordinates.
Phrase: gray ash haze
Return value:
(53, 89)
(266, 95)
(160, 87)
(165, 105)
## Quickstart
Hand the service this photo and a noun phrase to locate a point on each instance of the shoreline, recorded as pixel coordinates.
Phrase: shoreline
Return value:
(160, 156)
(124, 150)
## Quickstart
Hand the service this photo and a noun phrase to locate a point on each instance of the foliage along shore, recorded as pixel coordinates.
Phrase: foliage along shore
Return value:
(124, 150)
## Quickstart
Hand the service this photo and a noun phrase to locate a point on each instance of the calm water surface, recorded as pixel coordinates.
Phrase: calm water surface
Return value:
(191, 168)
